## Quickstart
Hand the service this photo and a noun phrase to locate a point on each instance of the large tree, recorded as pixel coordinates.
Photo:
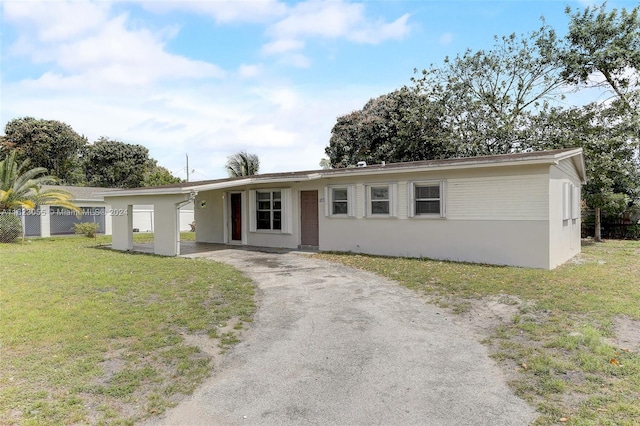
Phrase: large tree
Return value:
(109, 163)
(242, 164)
(400, 126)
(610, 148)
(47, 143)
(602, 48)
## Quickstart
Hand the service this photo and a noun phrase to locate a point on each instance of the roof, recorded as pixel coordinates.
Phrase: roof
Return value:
(525, 158)
(82, 193)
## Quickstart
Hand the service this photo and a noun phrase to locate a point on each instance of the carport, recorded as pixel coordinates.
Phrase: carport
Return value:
(166, 217)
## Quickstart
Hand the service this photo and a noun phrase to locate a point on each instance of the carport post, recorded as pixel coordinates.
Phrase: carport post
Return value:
(166, 236)
(122, 226)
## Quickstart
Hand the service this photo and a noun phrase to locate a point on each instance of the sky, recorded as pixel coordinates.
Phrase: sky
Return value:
(210, 78)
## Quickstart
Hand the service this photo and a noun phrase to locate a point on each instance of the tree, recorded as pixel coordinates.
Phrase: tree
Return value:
(488, 96)
(242, 164)
(325, 163)
(159, 175)
(21, 187)
(608, 44)
(610, 148)
(47, 143)
(602, 49)
(399, 126)
(109, 163)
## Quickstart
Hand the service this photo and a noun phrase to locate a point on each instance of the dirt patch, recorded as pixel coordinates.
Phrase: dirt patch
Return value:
(627, 332)
(483, 316)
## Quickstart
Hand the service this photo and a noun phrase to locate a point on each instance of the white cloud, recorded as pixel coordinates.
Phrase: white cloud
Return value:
(117, 78)
(445, 39)
(336, 19)
(254, 11)
(249, 71)
(56, 21)
(282, 46)
(100, 58)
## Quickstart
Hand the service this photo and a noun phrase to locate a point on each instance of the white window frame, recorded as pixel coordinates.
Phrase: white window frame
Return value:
(392, 191)
(285, 211)
(351, 198)
(412, 200)
(272, 209)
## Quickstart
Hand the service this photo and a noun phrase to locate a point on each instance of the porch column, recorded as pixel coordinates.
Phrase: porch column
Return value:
(122, 226)
(166, 234)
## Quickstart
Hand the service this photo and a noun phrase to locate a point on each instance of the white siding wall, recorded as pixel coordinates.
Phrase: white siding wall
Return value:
(564, 234)
(522, 197)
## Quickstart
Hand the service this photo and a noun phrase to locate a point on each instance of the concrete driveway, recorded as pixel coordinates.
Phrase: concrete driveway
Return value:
(331, 345)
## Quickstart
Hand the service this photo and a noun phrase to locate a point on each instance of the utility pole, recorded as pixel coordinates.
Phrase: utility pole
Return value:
(187, 155)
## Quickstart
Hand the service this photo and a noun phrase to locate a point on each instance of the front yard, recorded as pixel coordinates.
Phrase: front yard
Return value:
(89, 335)
(568, 340)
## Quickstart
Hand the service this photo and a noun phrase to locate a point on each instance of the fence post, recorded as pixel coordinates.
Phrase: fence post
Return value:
(45, 221)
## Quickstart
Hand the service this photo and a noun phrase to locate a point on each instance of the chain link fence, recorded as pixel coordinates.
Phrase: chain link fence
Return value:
(45, 222)
(11, 226)
(62, 220)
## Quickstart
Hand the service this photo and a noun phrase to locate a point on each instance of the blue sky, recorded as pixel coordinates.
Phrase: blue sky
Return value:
(211, 78)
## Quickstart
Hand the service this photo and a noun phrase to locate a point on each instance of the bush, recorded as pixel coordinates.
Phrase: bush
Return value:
(88, 229)
(10, 227)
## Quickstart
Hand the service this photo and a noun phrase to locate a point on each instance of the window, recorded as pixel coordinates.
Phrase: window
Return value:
(379, 199)
(575, 205)
(427, 199)
(269, 210)
(339, 201)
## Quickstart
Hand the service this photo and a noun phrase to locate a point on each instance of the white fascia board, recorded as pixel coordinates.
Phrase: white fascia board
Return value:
(438, 167)
(543, 158)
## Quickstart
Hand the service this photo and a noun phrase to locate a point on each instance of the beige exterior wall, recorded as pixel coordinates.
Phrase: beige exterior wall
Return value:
(493, 215)
(564, 231)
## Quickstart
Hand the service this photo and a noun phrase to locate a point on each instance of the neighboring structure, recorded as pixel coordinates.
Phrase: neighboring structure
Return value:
(48, 221)
(517, 209)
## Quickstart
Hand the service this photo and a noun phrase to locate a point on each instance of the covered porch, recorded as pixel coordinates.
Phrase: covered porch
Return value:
(197, 249)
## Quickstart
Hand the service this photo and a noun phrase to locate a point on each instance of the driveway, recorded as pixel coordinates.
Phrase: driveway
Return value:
(331, 345)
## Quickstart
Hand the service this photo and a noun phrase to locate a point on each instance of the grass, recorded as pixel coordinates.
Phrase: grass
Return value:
(94, 336)
(559, 349)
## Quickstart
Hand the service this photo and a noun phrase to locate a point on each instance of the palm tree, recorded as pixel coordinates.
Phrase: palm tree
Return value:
(21, 187)
(242, 164)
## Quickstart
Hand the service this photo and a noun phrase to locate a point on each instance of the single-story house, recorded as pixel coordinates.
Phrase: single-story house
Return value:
(46, 221)
(516, 209)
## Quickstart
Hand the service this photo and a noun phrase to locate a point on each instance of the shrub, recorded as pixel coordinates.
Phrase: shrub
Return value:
(10, 227)
(88, 229)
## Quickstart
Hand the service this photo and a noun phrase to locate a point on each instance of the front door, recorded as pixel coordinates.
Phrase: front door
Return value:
(236, 217)
(309, 218)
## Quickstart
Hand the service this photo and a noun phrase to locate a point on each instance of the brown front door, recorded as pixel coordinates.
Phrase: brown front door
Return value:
(236, 217)
(309, 218)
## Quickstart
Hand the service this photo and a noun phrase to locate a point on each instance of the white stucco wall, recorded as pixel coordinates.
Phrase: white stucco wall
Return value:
(498, 215)
(564, 234)
(165, 221)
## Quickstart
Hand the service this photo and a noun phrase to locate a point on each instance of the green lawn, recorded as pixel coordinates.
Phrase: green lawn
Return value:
(559, 350)
(90, 335)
